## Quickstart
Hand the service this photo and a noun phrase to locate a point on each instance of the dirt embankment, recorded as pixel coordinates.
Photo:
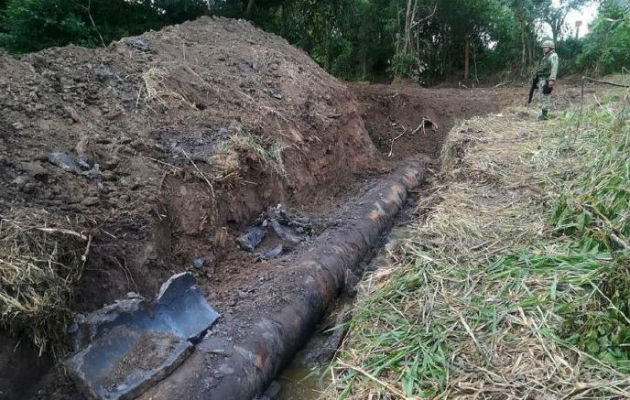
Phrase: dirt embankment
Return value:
(405, 120)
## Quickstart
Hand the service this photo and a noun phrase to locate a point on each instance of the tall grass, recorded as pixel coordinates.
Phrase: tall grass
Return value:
(516, 284)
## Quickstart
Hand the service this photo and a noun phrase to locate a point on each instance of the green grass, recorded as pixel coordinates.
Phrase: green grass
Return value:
(516, 284)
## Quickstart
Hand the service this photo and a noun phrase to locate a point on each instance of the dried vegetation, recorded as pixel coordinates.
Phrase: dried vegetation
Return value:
(515, 285)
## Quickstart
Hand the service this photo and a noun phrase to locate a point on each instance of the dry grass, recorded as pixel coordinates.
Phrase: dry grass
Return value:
(156, 88)
(41, 258)
(270, 157)
(477, 299)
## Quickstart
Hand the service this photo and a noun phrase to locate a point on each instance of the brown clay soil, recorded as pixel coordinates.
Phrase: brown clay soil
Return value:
(184, 132)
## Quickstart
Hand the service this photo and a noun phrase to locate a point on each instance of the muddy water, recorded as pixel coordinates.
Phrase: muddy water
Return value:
(300, 382)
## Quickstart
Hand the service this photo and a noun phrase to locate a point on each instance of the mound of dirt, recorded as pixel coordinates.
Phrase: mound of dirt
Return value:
(169, 143)
(195, 129)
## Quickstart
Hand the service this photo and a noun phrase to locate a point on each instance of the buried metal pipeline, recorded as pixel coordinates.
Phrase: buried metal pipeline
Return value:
(221, 369)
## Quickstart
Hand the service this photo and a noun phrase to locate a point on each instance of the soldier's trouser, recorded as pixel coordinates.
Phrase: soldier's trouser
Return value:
(545, 99)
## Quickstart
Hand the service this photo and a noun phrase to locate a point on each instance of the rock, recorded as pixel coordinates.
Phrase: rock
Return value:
(108, 176)
(63, 161)
(94, 173)
(273, 253)
(84, 162)
(136, 44)
(285, 233)
(199, 263)
(252, 238)
(90, 201)
(71, 113)
(35, 170)
(17, 126)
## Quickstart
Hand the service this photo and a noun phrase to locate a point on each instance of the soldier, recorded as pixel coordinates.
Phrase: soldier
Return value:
(546, 74)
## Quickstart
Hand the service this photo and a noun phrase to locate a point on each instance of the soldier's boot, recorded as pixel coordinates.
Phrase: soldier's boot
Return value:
(544, 116)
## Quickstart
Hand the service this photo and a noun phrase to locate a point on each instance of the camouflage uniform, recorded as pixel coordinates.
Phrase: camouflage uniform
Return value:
(547, 71)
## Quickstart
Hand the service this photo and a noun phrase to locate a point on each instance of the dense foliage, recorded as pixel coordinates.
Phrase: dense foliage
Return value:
(424, 40)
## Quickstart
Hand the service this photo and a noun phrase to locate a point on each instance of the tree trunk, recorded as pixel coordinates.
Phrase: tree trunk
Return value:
(250, 7)
(408, 22)
(523, 48)
(467, 59)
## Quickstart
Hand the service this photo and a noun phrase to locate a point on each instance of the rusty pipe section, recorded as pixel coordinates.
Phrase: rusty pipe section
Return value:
(223, 369)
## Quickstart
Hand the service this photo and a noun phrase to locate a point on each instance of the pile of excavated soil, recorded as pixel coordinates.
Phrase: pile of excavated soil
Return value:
(166, 115)
(169, 143)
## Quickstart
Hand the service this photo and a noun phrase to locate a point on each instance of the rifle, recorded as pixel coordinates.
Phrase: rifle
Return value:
(531, 90)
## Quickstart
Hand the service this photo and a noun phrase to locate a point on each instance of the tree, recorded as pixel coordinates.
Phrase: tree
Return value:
(555, 16)
(606, 48)
(36, 24)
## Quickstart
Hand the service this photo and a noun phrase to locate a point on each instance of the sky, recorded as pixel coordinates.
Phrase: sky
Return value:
(586, 14)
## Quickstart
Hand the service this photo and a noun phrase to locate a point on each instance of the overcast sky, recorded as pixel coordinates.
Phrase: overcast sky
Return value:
(586, 14)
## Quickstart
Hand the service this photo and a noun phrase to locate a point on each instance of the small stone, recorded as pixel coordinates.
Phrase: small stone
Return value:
(109, 176)
(137, 44)
(62, 160)
(35, 170)
(199, 263)
(273, 253)
(252, 238)
(20, 181)
(84, 162)
(18, 125)
(71, 112)
(90, 201)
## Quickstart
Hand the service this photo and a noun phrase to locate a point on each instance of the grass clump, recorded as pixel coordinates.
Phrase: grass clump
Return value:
(269, 156)
(516, 284)
(41, 258)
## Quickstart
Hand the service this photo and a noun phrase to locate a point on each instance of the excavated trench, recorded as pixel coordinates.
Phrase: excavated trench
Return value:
(246, 354)
(269, 306)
